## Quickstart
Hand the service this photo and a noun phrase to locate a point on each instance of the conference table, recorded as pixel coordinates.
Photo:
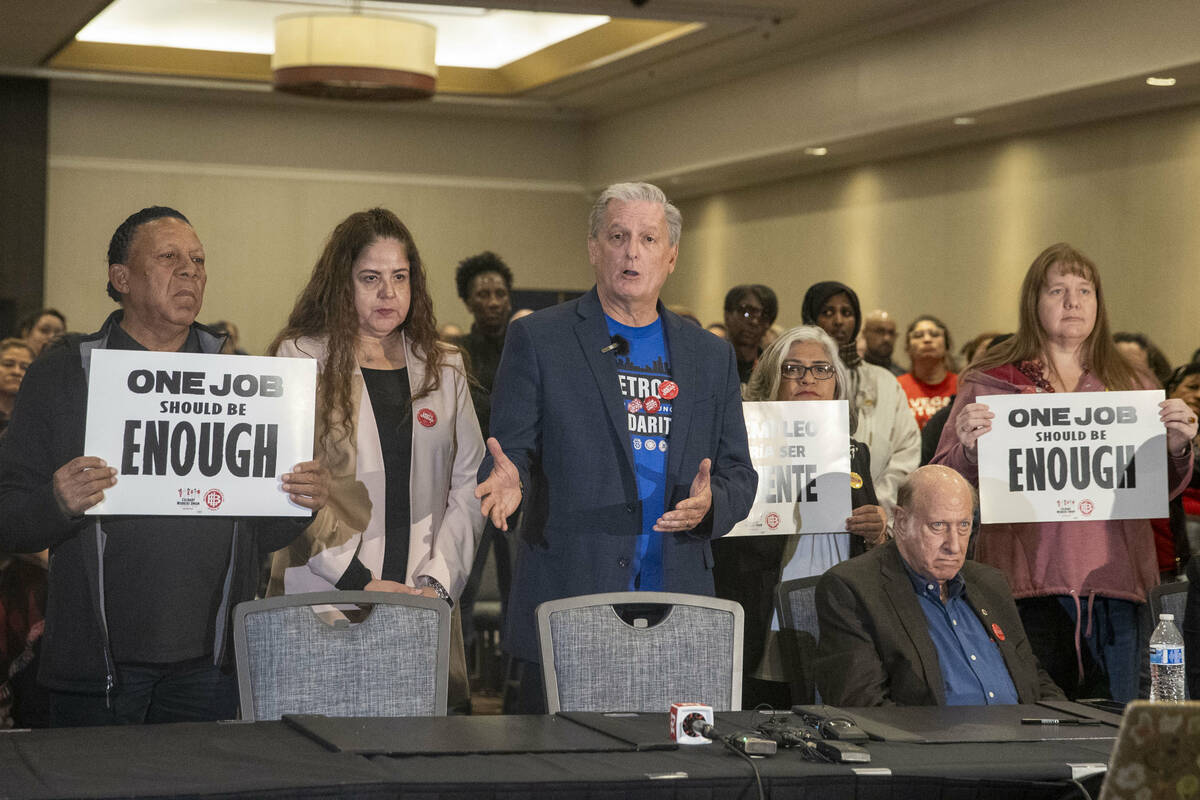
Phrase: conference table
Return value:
(927, 753)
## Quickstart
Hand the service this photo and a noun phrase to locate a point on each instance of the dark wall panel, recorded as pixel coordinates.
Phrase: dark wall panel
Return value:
(24, 107)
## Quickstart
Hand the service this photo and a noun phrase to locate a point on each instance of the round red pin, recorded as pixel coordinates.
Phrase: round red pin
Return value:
(652, 404)
(668, 390)
(996, 630)
(426, 417)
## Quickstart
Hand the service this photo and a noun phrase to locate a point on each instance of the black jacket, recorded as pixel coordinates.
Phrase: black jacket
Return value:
(747, 569)
(47, 431)
(875, 648)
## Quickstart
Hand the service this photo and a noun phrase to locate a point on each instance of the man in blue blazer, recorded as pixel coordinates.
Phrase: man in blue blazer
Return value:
(618, 426)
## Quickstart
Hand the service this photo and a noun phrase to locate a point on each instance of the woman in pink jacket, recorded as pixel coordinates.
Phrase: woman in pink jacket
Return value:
(1080, 586)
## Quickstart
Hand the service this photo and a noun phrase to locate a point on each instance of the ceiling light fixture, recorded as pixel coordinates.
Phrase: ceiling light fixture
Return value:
(964, 120)
(354, 57)
(816, 151)
(1160, 81)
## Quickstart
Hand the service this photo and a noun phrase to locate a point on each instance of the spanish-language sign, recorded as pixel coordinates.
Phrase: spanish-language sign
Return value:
(1073, 456)
(194, 433)
(801, 451)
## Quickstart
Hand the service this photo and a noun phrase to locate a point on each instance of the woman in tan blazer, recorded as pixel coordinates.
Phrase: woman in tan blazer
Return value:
(395, 426)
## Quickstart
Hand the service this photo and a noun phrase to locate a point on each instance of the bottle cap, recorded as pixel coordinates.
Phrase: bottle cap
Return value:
(1170, 617)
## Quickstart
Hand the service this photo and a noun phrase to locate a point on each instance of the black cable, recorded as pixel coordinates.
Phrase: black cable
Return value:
(757, 778)
(1082, 790)
(790, 737)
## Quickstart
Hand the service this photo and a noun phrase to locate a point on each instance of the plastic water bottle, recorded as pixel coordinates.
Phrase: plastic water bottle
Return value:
(1166, 661)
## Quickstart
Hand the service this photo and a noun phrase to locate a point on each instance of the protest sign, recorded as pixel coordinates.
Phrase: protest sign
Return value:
(801, 451)
(195, 433)
(1073, 456)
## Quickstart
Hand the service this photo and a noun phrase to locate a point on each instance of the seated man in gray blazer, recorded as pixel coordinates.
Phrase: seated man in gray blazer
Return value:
(914, 623)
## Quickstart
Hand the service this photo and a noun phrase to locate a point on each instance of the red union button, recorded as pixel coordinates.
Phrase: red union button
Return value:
(996, 630)
(668, 390)
(426, 417)
(652, 404)
(634, 406)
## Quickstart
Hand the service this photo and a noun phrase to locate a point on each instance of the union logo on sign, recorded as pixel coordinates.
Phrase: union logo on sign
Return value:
(1086, 507)
(772, 520)
(213, 499)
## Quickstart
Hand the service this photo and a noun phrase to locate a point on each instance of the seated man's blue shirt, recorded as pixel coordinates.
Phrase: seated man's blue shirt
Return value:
(973, 668)
(647, 391)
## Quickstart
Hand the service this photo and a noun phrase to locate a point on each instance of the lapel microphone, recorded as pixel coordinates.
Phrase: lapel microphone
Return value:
(619, 343)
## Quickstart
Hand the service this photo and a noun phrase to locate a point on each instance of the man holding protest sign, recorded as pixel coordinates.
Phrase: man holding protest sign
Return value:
(1080, 585)
(139, 606)
(620, 426)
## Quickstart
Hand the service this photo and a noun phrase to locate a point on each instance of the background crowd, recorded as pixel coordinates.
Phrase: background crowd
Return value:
(402, 512)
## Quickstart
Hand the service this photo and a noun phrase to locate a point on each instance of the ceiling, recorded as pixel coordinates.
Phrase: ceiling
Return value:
(1012, 65)
(661, 47)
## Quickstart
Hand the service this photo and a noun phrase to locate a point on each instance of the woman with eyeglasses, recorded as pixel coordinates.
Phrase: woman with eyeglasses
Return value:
(802, 364)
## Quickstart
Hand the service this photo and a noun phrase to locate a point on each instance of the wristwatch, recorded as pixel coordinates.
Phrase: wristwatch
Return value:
(435, 584)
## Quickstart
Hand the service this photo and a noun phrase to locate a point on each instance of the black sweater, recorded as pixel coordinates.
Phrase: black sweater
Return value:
(46, 432)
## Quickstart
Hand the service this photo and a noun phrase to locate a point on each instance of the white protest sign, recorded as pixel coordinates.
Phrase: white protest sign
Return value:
(1073, 456)
(801, 451)
(194, 433)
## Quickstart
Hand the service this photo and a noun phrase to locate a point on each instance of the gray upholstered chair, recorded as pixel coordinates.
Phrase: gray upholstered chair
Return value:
(1169, 598)
(798, 633)
(640, 651)
(297, 654)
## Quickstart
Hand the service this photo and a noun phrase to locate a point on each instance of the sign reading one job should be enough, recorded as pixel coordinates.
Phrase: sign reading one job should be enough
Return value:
(1073, 456)
(193, 433)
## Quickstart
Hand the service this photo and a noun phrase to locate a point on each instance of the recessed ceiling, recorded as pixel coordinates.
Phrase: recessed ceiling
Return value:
(713, 94)
(466, 37)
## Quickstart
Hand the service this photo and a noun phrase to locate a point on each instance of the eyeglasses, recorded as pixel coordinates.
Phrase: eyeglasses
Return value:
(750, 312)
(796, 372)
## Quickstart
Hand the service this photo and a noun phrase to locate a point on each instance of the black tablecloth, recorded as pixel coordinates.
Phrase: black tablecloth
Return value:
(274, 760)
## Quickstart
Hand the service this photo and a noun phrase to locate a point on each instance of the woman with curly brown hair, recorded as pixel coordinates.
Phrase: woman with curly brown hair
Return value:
(395, 426)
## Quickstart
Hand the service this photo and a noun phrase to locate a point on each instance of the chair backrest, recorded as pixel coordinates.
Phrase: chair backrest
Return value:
(1169, 598)
(798, 633)
(640, 651)
(299, 654)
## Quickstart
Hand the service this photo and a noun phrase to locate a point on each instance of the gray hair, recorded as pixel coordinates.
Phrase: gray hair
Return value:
(764, 381)
(635, 193)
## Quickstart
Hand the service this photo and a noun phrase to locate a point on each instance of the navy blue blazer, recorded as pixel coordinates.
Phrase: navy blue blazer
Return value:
(558, 414)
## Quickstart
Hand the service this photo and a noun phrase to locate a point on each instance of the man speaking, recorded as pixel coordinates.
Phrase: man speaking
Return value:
(620, 427)
(138, 608)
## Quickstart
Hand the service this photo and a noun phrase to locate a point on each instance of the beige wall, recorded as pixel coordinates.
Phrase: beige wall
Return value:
(952, 233)
(264, 181)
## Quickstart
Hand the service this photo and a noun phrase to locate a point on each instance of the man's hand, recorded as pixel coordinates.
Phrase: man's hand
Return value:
(307, 484)
(500, 494)
(80, 483)
(689, 513)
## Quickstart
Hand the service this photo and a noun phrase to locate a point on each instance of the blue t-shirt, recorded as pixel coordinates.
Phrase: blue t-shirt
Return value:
(647, 391)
